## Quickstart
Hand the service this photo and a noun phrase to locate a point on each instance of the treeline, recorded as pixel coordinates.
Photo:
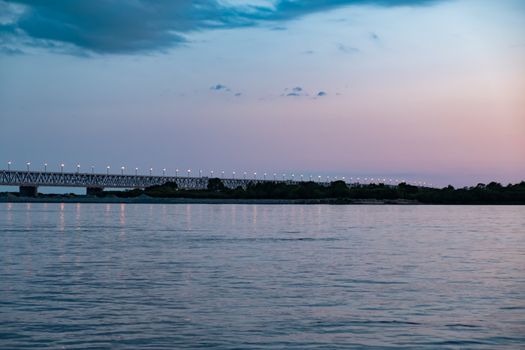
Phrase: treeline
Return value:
(493, 193)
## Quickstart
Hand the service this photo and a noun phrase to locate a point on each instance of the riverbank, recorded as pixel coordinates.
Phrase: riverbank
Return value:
(337, 192)
(151, 200)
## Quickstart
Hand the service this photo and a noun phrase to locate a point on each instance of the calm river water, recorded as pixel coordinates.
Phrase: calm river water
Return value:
(120, 276)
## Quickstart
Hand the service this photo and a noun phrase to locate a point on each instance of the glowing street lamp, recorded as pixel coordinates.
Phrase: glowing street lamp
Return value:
(319, 178)
(150, 171)
(176, 172)
(200, 173)
(45, 167)
(255, 176)
(78, 168)
(28, 164)
(107, 170)
(222, 174)
(92, 169)
(189, 172)
(164, 172)
(233, 174)
(136, 171)
(9, 166)
(122, 170)
(62, 168)
(211, 173)
(264, 176)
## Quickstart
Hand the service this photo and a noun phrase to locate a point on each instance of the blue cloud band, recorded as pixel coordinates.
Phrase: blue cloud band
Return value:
(111, 26)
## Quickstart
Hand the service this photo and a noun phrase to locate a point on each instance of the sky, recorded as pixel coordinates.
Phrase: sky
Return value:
(428, 91)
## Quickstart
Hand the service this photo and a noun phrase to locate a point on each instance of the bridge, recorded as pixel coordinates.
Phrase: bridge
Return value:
(29, 181)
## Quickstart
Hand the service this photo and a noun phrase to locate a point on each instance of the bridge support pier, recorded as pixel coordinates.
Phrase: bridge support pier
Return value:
(28, 191)
(93, 191)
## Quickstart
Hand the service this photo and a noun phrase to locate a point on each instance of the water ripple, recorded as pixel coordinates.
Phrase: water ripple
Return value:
(94, 276)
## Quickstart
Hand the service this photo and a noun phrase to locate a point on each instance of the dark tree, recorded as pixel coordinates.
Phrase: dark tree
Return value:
(215, 184)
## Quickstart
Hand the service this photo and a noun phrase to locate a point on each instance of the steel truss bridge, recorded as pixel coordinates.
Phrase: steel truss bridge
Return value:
(29, 181)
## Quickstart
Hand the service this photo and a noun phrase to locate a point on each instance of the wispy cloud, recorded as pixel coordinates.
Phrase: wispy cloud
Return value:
(225, 89)
(218, 87)
(295, 91)
(11, 51)
(299, 91)
(347, 49)
(103, 26)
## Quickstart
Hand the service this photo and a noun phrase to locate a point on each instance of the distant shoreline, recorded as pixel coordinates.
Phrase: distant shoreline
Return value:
(337, 193)
(152, 200)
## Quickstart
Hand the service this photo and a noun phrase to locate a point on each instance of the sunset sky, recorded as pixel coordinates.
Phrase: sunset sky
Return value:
(421, 90)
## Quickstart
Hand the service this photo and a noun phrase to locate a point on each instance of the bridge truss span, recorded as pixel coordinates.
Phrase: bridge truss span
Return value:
(34, 179)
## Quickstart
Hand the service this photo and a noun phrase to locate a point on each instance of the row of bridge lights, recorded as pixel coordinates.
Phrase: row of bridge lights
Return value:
(245, 175)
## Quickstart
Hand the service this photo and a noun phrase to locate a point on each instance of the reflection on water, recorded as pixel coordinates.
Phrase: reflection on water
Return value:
(261, 276)
(9, 213)
(61, 217)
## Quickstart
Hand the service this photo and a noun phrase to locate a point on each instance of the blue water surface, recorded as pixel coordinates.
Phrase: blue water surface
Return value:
(127, 276)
